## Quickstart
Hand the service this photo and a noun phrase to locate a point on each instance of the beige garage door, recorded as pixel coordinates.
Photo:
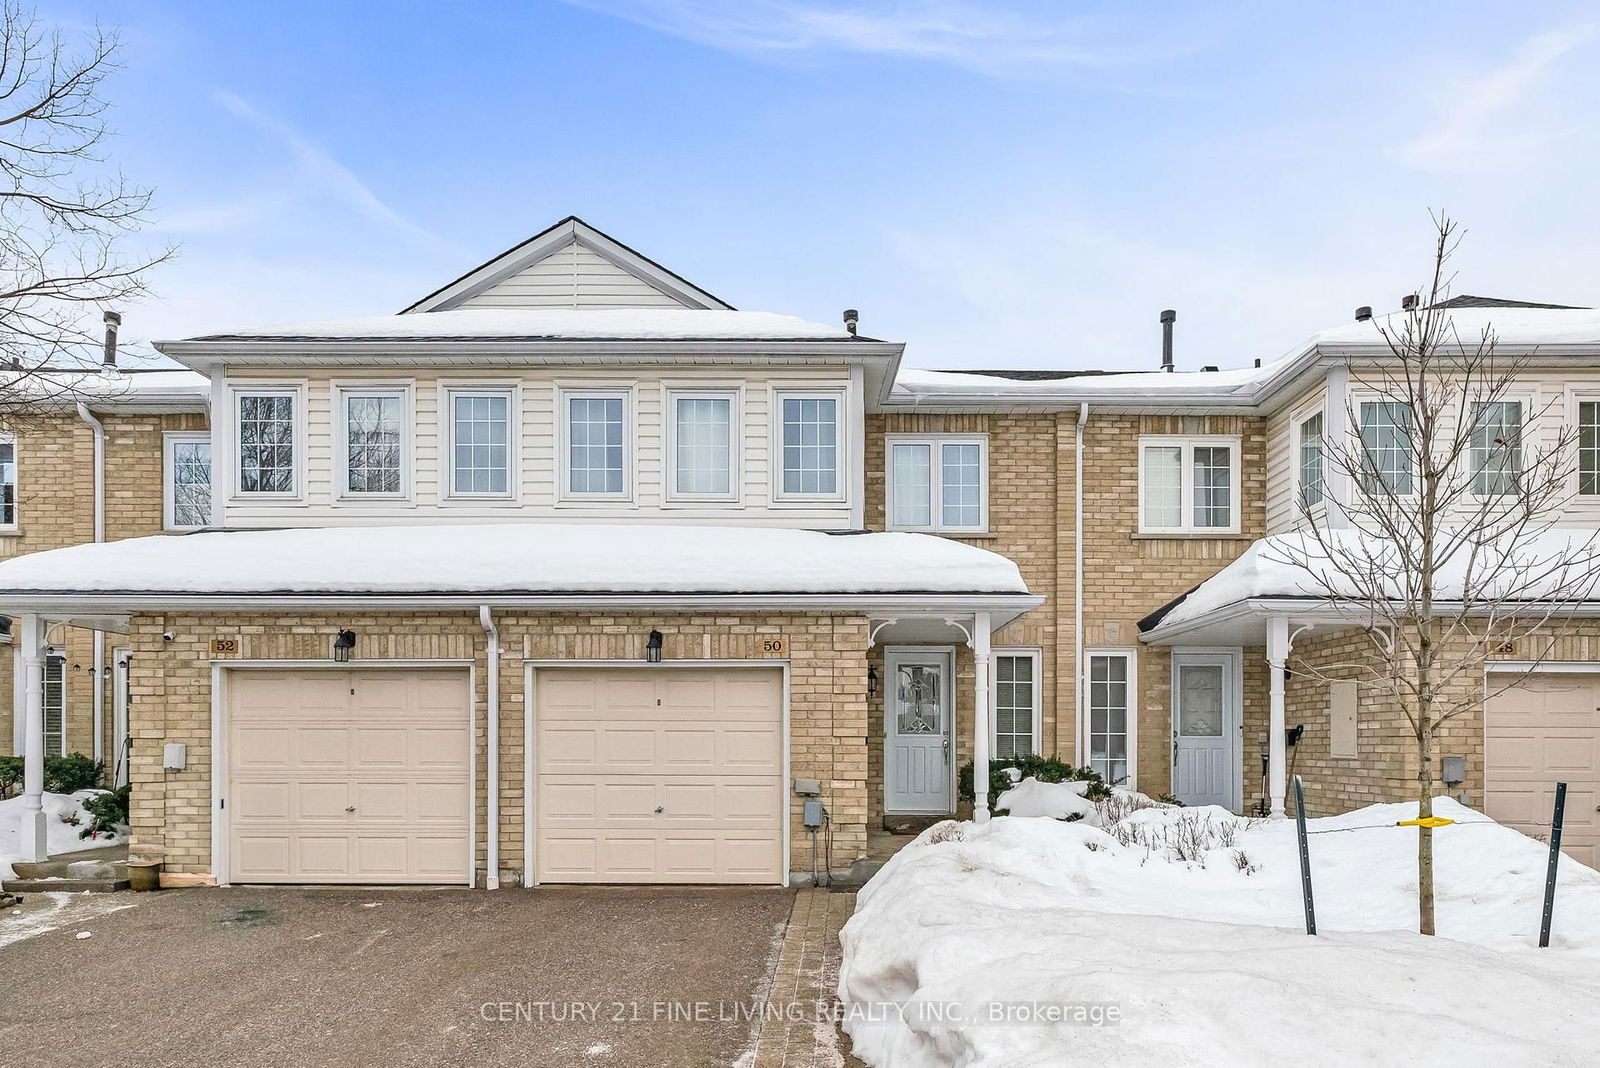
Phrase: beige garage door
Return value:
(666, 775)
(347, 776)
(1543, 731)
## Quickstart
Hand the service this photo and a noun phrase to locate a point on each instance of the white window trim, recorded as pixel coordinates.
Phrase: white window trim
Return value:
(1086, 723)
(630, 429)
(448, 392)
(1358, 439)
(1531, 413)
(734, 395)
(169, 441)
(343, 392)
(12, 527)
(842, 456)
(1576, 397)
(1187, 444)
(296, 391)
(936, 481)
(1296, 446)
(1037, 727)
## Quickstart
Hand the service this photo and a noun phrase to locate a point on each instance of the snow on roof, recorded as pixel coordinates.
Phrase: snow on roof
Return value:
(528, 558)
(68, 386)
(1514, 327)
(1294, 565)
(923, 383)
(551, 324)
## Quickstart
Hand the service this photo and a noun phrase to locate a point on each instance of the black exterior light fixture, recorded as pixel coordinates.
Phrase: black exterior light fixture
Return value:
(342, 645)
(872, 681)
(652, 648)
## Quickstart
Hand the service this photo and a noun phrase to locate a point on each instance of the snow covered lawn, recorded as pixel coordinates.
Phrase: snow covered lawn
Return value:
(63, 836)
(1185, 924)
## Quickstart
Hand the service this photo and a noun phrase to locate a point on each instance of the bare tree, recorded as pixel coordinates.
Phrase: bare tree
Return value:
(1447, 551)
(66, 219)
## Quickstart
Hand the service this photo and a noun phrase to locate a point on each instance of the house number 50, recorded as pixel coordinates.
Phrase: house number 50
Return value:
(774, 646)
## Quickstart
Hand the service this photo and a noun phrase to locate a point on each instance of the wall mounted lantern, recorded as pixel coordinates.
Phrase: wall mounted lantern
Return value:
(652, 648)
(342, 645)
(872, 681)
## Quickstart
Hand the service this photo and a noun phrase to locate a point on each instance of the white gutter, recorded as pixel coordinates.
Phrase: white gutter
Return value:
(492, 703)
(98, 671)
(1077, 586)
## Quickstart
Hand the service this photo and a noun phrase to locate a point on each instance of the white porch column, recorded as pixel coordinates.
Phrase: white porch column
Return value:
(980, 717)
(33, 842)
(1277, 658)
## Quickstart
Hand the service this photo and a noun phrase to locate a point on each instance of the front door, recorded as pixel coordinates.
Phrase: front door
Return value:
(1205, 729)
(917, 731)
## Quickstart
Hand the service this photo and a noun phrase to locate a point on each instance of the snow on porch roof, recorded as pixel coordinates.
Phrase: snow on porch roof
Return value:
(533, 559)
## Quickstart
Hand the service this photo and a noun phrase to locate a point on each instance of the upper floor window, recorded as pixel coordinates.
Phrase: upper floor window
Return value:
(1589, 448)
(8, 481)
(1311, 455)
(702, 444)
(187, 480)
(374, 441)
(1496, 447)
(267, 460)
(596, 444)
(939, 483)
(1188, 485)
(809, 444)
(1386, 446)
(480, 442)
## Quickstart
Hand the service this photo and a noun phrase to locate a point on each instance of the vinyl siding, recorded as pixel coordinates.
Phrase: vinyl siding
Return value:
(572, 277)
(538, 449)
(1283, 460)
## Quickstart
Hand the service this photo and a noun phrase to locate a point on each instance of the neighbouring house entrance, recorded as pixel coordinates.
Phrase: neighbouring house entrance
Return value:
(918, 756)
(1205, 729)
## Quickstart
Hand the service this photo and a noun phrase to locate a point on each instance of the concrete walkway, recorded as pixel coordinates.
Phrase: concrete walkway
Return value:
(803, 1034)
(650, 977)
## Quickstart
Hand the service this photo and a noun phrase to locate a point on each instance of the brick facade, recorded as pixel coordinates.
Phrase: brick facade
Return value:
(170, 682)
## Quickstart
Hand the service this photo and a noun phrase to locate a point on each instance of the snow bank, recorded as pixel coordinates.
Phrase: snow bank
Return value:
(1203, 958)
(62, 836)
(1056, 800)
(534, 558)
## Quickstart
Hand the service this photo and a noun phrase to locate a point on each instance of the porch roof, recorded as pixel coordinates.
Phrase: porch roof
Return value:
(537, 563)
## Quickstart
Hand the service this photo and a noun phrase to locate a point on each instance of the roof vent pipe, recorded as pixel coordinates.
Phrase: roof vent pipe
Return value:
(1364, 313)
(1408, 302)
(1168, 317)
(851, 317)
(113, 320)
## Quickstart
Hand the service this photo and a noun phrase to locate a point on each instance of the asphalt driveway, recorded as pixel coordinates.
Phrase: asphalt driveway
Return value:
(306, 977)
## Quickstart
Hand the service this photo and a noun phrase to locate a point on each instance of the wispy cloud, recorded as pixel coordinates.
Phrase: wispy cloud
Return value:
(1501, 112)
(331, 176)
(987, 37)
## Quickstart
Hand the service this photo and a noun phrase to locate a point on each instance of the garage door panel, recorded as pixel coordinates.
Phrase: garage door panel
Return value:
(613, 745)
(348, 776)
(1546, 729)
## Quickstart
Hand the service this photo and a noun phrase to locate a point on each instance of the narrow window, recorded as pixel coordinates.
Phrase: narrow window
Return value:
(1386, 445)
(1213, 491)
(1108, 717)
(374, 443)
(939, 483)
(1311, 461)
(1163, 487)
(702, 441)
(911, 490)
(8, 481)
(480, 433)
(1589, 448)
(961, 470)
(1016, 698)
(1496, 447)
(266, 443)
(595, 436)
(810, 445)
(55, 704)
(188, 481)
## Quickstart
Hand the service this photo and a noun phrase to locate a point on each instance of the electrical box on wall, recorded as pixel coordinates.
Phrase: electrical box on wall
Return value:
(1454, 770)
(808, 787)
(174, 756)
(812, 816)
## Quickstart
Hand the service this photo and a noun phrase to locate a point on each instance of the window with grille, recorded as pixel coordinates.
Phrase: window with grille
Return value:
(1188, 485)
(809, 444)
(1387, 454)
(266, 424)
(188, 480)
(1016, 704)
(1108, 716)
(1311, 449)
(938, 483)
(703, 436)
(55, 704)
(596, 444)
(480, 443)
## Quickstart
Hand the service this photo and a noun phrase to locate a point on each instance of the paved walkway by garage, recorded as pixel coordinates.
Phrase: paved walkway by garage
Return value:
(804, 1033)
(657, 977)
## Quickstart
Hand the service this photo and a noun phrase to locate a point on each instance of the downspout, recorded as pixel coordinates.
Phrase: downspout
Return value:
(1077, 584)
(492, 700)
(99, 667)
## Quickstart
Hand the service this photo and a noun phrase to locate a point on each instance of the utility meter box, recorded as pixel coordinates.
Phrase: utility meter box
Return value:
(808, 787)
(812, 816)
(175, 756)
(1454, 770)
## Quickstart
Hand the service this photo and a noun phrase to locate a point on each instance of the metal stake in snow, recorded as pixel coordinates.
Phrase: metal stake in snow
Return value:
(1305, 856)
(1550, 873)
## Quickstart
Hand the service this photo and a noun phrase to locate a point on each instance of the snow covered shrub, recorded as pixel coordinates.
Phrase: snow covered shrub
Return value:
(1185, 838)
(1242, 861)
(1119, 806)
(948, 831)
(110, 812)
(69, 774)
(1045, 769)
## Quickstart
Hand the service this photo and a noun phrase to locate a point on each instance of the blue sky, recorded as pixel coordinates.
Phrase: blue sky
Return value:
(995, 183)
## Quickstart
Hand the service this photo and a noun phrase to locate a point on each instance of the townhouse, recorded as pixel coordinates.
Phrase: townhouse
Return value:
(571, 572)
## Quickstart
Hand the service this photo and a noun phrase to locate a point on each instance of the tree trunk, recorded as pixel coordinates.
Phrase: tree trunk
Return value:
(1425, 834)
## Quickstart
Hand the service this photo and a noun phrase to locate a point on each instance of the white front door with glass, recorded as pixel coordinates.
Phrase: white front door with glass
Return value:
(917, 731)
(1205, 729)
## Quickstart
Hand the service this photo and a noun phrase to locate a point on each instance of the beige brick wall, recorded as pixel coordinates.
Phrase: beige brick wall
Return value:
(55, 488)
(171, 687)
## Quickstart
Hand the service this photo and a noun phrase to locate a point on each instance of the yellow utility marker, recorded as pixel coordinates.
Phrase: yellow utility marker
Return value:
(1430, 821)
